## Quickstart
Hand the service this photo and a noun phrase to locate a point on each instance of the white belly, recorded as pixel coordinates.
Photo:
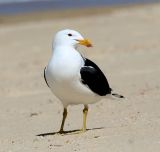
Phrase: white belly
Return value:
(74, 93)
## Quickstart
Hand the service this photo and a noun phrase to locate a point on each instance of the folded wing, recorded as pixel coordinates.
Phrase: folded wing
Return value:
(93, 77)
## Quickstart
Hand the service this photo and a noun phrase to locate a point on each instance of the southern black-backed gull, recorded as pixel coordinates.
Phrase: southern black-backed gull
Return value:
(73, 78)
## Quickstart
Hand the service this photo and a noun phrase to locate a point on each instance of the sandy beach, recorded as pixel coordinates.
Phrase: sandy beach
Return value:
(126, 47)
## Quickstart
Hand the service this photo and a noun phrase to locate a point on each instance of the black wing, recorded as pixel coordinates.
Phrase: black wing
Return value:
(94, 78)
(45, 77)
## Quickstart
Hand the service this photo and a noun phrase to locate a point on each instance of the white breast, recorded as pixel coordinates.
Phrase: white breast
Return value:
(65, 64)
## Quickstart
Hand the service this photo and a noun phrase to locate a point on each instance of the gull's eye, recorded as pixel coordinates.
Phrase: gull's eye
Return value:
(69, 34)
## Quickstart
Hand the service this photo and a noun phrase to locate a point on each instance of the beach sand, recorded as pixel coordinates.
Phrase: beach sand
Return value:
(126, 47)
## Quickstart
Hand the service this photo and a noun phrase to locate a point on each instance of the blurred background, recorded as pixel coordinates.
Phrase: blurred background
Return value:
(24, 6)
(126, 46)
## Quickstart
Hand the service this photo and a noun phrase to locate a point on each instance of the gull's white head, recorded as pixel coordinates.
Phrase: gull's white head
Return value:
(70, 38)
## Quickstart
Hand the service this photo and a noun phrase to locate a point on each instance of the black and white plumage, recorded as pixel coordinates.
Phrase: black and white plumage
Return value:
(71, 77)
(94, 78)
(44, 74)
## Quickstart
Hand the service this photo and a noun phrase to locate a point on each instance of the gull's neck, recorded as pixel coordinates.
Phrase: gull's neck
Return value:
(63, 48)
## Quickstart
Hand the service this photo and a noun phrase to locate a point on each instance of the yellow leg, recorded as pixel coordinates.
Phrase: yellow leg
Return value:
(63, 121)
(85, 112)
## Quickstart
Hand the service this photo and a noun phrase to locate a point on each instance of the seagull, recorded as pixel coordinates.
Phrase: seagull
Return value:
(72, 78)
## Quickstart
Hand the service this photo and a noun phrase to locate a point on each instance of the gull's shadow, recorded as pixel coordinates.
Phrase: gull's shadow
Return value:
(66, 132)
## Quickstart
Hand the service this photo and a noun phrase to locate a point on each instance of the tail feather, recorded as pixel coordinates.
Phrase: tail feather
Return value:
(117, 95)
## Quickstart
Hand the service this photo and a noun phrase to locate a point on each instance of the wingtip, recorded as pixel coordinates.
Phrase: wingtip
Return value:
(117, 95)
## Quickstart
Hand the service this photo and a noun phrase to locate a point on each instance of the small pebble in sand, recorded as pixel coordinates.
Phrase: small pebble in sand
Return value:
(33, 114)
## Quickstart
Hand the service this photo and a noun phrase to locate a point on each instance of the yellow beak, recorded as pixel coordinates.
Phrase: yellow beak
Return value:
(85, 42)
